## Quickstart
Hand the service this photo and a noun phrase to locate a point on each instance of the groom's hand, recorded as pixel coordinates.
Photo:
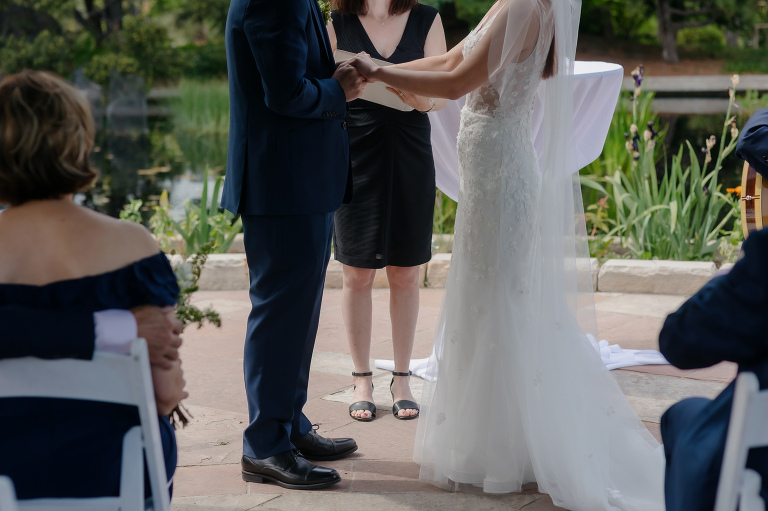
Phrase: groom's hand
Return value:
(350, 80)
(365, 66)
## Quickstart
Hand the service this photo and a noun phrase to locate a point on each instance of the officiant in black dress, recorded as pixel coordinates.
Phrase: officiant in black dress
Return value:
(388, 224)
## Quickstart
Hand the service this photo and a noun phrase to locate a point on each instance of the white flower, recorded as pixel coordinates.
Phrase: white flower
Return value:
(176, 260)
(735, 80)
(184, 275)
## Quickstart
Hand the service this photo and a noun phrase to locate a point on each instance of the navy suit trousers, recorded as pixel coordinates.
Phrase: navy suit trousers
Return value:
(287, 259)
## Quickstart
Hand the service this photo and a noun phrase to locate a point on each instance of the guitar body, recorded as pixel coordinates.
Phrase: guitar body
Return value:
(754, 209)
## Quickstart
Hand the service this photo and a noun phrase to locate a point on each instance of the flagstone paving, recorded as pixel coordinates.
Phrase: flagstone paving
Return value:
(381, 472)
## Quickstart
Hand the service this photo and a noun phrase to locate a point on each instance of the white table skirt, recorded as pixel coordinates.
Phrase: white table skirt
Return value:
(595, 93)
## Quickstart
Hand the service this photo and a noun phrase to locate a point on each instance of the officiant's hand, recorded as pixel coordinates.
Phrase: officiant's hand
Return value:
(350, 80)
(365, 65)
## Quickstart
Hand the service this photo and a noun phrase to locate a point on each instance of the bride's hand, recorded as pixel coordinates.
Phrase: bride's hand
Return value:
(365, 66)
(412, 100)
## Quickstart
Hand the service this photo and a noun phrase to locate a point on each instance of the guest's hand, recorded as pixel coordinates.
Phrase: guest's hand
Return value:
(168, 385)
(419, 103)
(365, 66)
(350, 80)
(162, 331)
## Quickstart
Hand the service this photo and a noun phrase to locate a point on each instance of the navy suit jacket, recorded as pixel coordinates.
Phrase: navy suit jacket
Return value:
(288, 146)
(725, 320)
(753, 142)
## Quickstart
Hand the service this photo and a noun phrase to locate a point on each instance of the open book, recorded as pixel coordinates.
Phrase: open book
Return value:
(376, 92)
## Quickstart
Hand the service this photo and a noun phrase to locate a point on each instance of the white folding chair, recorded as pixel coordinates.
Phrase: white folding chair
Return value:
(7, 495)
(107, 378)
(748, 428)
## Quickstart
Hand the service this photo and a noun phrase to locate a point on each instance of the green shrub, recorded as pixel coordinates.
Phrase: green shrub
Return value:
(47, 51)
(745, 60)
(706, 37)
(204, 60)
(204, 227)
(681, 215)
(445, 214)
(149, 44)
(101, 66)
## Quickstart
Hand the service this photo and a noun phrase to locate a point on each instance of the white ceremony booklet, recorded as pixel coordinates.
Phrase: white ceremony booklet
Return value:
(376, 92)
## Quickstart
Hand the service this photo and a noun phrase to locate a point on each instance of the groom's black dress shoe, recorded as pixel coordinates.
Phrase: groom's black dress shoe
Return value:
(316, 448)
(289, 470)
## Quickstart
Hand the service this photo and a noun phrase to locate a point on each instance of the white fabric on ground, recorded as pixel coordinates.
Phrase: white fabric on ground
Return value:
(613, 356)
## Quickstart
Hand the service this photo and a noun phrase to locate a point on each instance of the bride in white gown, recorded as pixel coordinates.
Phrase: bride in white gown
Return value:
(521, 395)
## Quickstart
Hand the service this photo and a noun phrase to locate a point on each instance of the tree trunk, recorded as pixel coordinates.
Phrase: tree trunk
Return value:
(91, 20)
(608, 31)
(114, 15)
(667, 33)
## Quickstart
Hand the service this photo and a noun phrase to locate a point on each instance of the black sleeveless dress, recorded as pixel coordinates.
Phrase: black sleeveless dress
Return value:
(389, 221)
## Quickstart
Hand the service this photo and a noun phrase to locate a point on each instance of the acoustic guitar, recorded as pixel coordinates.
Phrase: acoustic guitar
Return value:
(754, 208)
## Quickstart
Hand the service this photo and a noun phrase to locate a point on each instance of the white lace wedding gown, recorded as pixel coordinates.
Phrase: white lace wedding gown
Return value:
(521, 395)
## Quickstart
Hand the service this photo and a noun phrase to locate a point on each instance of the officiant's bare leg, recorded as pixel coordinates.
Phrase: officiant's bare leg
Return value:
(404, 311)
(357, 310)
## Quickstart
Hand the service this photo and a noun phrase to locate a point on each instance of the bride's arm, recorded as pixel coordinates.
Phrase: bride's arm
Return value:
(445, 62)
(517, 21)
(418, 79)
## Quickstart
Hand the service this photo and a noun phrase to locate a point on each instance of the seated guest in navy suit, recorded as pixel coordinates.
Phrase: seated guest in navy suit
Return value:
(66, 260)
(725, 320)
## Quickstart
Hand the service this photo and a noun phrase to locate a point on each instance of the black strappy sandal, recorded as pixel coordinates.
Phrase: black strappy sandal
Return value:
(403, 404)
(366, 406)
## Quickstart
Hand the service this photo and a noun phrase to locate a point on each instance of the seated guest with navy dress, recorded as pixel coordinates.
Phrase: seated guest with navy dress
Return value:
(61, 259)
(725, 320)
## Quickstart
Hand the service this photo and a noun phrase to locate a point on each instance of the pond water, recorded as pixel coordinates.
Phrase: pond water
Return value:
(142, 166)
(142, 155)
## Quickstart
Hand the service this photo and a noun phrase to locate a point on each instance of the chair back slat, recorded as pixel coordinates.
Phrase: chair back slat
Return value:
(746, 429)
(107, 378)
(101, 379)
(7, 495)
(758, 422)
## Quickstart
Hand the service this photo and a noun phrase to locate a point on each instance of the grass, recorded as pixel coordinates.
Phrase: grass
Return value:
(202, 107)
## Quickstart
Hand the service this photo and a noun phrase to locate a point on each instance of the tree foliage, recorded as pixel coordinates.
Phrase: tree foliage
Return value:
(675, 15)
(615, 19)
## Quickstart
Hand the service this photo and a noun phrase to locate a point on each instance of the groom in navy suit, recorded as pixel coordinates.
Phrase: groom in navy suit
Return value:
(725, 320)
(287, 172)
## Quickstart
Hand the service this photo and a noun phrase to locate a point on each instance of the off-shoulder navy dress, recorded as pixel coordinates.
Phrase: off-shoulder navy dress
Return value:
(68, 448)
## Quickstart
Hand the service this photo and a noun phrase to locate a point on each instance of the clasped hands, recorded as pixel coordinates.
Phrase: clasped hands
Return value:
(162, 331)
(362, 70)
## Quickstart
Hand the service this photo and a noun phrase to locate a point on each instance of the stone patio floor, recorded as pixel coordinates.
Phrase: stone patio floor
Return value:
(381, 472)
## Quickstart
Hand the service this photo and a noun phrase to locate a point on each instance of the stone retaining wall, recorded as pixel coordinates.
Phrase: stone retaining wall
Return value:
(230, 271)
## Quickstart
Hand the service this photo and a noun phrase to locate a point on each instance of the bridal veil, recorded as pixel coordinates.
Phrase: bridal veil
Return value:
(521, 394)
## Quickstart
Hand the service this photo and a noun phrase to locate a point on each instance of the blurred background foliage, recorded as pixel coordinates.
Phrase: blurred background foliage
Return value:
(177, 48)
(160, 40)
(165, 40)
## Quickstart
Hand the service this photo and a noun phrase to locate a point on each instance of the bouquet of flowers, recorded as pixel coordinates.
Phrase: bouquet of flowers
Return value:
(187, 274)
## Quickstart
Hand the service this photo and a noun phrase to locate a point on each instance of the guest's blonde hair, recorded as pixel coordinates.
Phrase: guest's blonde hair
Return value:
(46, 136)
